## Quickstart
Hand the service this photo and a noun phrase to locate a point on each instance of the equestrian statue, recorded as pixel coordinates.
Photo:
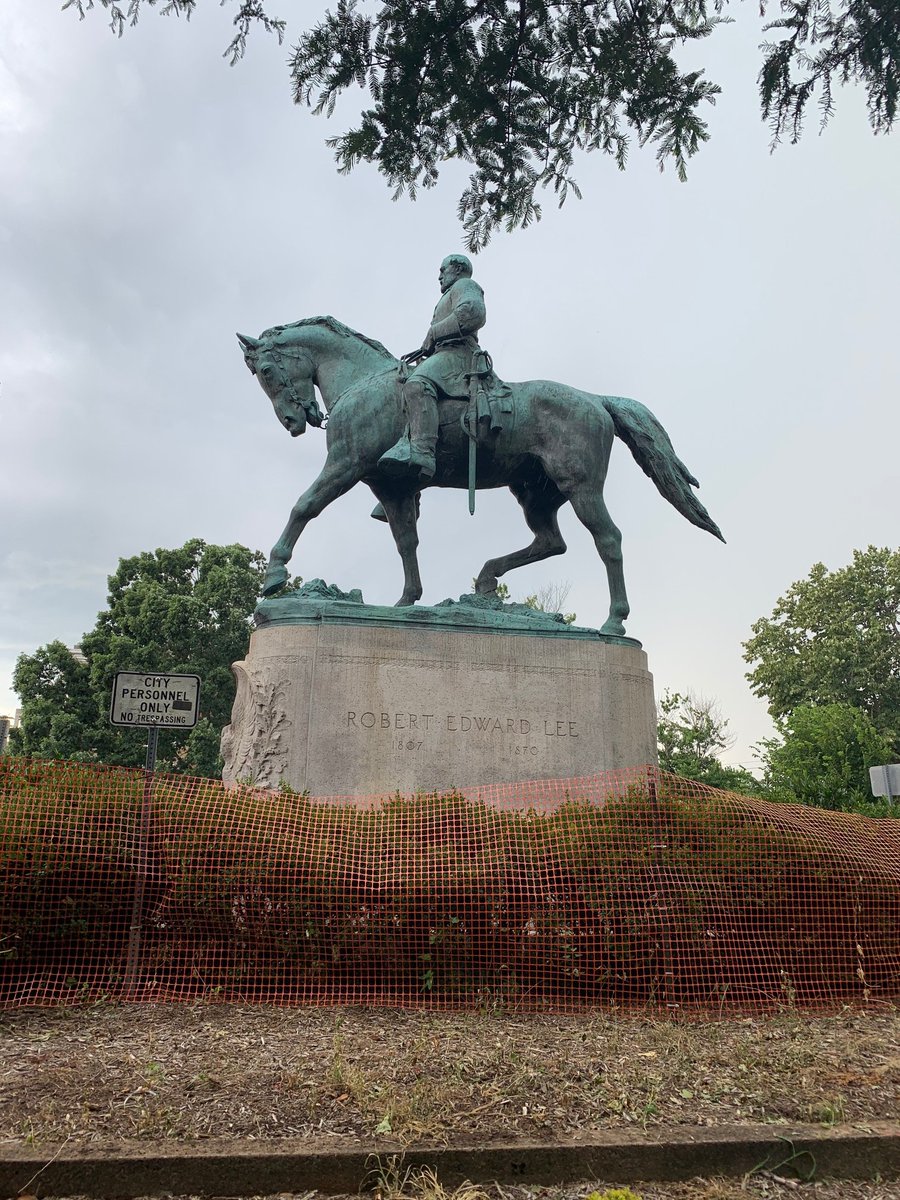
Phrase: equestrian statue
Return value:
(440, 417)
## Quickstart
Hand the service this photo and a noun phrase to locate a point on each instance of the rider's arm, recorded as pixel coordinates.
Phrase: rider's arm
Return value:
(423, 351)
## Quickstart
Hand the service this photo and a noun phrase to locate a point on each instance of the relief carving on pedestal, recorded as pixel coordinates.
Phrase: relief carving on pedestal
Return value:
(255, 746)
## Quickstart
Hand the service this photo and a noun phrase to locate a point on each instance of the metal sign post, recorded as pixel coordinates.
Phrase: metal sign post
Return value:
(144, 700)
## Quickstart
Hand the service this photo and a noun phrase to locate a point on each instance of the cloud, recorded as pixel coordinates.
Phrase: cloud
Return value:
(154, 201)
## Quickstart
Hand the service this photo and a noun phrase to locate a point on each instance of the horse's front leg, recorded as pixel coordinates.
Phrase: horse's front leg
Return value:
(402, 512)
(337, 477)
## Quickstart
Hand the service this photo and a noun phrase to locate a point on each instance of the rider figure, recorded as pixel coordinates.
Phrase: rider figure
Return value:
(444, 359)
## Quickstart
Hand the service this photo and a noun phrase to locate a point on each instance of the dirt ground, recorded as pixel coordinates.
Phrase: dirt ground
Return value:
(197, 1071)
(108, 1073)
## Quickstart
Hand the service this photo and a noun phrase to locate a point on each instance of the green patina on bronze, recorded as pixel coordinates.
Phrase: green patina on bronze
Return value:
(400, 432)
(320, 602)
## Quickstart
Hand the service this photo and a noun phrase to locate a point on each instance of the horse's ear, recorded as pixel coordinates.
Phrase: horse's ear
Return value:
(250, 346)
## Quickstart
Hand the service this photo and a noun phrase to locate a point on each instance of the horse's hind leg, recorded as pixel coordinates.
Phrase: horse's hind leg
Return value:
(591, 510)
(540, 506)
(402, 514)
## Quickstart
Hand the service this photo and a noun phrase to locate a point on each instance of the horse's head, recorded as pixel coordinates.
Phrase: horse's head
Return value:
(286, 373)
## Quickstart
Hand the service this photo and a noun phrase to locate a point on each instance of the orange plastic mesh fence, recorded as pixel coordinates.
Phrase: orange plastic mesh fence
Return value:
(632, 888)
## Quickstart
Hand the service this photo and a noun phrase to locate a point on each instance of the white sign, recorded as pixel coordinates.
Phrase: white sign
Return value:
(885, 780)
(142, 699)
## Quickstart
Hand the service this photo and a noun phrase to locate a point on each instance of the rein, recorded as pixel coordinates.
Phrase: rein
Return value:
(286, 384)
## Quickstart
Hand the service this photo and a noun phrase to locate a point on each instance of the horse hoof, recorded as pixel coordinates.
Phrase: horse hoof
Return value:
(613, 628)
(276, 578)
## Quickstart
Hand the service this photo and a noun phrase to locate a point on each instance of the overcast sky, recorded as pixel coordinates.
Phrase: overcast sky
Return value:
(153, 201)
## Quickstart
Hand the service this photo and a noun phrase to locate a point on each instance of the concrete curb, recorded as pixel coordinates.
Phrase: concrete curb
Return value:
(232, 1168)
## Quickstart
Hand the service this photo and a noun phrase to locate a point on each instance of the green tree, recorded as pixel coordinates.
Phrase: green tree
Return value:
(59, 712)
(691, 732)
(823, 757)
(185, 611)
(516, 88)
(834, 638)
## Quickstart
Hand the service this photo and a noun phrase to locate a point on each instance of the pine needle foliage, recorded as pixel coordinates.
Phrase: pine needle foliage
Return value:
(514, 89)
(249, 13)
(857, 41)
(518, 88)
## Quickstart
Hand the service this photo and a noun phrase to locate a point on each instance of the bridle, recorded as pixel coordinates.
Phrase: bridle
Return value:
(284, 382)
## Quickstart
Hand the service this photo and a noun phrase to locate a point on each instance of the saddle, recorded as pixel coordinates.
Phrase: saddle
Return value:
(482, 412)
(488, 409)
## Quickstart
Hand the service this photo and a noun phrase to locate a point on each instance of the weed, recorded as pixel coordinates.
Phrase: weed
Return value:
(390, 1180)
(789, 1158)
(828, 1112)
(341, 1077)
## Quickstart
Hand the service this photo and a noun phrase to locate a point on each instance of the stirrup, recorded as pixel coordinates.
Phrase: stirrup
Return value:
(405, 459)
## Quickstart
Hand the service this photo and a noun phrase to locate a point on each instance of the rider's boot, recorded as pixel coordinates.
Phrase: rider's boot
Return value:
(413, 456)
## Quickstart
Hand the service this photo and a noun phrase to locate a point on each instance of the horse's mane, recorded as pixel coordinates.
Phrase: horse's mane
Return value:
(334, 325)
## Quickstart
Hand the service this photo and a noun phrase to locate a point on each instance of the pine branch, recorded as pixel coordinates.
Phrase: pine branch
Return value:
(515, 88)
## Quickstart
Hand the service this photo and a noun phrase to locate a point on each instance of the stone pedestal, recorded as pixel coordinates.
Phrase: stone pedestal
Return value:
(365, 701)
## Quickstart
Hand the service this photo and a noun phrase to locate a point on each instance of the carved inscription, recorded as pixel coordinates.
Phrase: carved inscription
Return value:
(525, 736)
(460, 723)
(370, 720)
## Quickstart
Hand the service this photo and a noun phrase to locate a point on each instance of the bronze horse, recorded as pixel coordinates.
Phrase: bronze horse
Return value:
(554, 447)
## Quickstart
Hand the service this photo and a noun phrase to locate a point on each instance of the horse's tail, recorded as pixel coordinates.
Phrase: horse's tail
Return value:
(655, 455)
